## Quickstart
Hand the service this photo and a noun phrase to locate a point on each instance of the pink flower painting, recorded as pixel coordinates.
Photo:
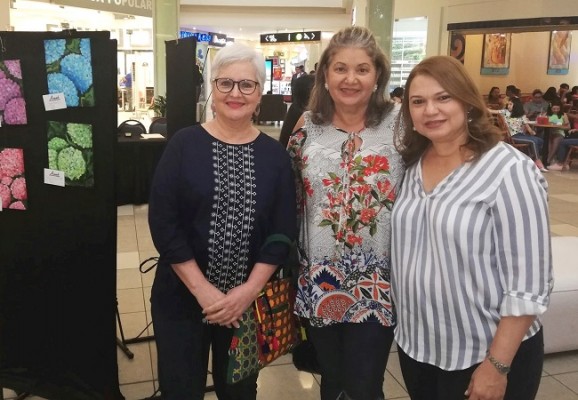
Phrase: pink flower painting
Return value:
(12, 104)
(13, 193)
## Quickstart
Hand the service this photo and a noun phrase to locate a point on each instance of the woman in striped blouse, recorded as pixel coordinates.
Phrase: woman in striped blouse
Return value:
(471, 263)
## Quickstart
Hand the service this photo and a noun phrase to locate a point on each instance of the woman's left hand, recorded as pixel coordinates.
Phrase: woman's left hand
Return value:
(229, 310)
(487, 383)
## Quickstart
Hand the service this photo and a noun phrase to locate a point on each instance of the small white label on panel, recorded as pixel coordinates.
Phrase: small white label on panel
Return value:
(54, 101)
(53, 177)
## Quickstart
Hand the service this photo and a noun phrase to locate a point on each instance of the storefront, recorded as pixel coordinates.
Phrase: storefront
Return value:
(286, 51)
(129, 21)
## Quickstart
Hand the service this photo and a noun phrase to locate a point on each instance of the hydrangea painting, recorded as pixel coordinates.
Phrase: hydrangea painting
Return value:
(12, 104)
(13, 194)
(69, 68)
(70, 151)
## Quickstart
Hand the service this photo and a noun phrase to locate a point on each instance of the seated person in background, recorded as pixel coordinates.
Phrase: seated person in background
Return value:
(550, 94)
(521, 132)
(397, 95)
(301, 91)
(536, 106)
(572, 97)
(564, 88)
(513, 94)
(557, 117)
(564, 148)
(495, 101)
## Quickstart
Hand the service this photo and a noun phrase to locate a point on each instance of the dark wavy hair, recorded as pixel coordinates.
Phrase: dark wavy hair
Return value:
(491, 98)
(556, 102)
(453, 77)
(321, 104)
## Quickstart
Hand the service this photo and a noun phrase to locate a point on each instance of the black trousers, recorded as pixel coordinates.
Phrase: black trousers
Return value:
(427, 382)
(183, 353)
(353, 358)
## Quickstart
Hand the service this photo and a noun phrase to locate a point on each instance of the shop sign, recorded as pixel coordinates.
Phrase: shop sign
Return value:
(213, 39)
(218, 40)
(291, 37)
(143, 8)
(200, 36)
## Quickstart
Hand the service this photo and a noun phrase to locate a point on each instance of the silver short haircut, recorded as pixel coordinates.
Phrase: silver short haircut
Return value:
(239, 53)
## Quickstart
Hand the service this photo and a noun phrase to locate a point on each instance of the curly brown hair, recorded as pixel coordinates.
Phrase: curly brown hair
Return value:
(321, 104)
(453, 77)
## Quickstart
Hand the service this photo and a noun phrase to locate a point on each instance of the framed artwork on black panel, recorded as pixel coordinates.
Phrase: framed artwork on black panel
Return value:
(496, 54)
(559, 55)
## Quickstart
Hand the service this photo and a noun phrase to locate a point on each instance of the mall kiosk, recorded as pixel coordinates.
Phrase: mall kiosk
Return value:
(58, 243)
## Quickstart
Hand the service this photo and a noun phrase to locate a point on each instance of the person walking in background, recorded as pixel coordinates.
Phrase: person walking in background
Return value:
(219, 191)
(299, 72)
(126, 85)
(471, 255)
(300, 99)
(348, 173)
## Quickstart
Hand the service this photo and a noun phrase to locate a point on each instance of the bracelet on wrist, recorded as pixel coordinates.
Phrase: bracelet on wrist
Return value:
(502, 368)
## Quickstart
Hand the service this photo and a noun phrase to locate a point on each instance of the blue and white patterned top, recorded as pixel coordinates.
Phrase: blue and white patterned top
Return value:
(346, 198)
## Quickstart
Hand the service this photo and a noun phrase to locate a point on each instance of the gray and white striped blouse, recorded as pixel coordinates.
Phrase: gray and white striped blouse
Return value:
(474, 249)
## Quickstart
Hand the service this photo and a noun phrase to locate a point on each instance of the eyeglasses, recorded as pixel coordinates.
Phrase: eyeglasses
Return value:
(226, 85)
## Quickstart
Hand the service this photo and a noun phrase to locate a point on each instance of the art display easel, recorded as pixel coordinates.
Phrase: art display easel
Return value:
(58, 269)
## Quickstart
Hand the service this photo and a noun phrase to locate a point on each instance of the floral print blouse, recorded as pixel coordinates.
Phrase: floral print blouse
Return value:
(345, 198)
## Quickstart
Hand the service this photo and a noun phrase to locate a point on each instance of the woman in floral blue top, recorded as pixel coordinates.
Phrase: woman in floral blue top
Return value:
(348, 171)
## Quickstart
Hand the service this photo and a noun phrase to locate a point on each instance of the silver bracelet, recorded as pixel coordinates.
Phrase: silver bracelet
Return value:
(502, 368)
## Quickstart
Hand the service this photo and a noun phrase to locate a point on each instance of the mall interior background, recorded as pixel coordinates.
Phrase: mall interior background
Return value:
(420, 30)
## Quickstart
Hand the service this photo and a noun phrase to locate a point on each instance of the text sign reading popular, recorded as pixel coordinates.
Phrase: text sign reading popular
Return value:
(143, 8)
(291, 37)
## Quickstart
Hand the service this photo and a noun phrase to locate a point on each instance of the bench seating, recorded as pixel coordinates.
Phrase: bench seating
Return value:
(561, 320)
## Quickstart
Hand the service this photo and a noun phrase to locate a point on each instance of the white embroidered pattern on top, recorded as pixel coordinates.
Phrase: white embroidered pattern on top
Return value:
(233, 214)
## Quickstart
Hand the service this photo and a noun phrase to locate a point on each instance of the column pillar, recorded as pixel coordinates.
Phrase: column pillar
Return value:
(4, 15)
(380, 20)
(165, 27)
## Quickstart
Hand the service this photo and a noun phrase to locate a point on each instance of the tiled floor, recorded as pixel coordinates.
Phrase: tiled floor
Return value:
(282, 381)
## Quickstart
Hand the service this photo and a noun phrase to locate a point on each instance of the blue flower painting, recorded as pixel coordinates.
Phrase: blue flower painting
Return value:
(69, 69)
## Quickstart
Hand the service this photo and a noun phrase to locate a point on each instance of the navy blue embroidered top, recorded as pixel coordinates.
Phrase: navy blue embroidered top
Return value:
(217, 203)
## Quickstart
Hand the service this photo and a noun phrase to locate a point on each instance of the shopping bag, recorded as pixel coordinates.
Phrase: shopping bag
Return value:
(267, 331)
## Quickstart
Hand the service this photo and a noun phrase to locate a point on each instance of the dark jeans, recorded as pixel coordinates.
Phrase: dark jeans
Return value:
(183, 354)
(353, 358)
(427, 382)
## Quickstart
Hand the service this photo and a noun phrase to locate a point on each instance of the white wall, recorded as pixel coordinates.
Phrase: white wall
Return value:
(440, 13)
(528, 63)
(263, 3)
(529, 51)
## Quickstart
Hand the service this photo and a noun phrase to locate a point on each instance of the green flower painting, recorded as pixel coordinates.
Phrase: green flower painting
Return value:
(70, 151)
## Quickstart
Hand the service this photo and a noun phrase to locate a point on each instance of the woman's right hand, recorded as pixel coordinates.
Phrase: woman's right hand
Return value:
(207, 294)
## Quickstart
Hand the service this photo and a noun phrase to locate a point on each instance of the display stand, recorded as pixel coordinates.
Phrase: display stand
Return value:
(123, 343)
(58, 268)
(181, 84)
